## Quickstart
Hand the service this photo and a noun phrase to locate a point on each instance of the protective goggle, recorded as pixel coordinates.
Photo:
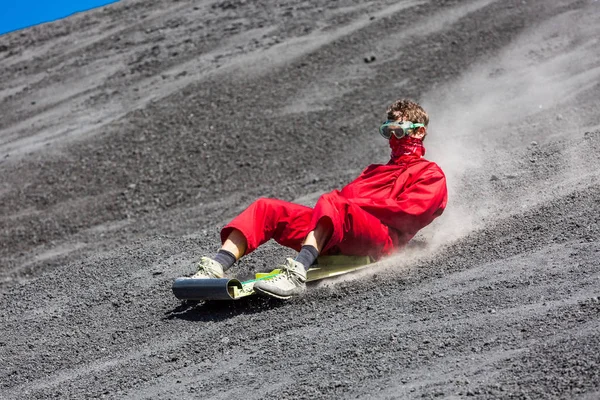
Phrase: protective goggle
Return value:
(397, 128)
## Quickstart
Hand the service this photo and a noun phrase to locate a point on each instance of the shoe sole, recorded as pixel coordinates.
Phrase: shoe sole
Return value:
(271, 294)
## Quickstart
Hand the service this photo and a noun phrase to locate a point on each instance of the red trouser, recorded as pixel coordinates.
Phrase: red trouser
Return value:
(355, 231)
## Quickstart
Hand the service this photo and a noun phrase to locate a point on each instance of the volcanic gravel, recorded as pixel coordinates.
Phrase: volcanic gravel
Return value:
(132, 133)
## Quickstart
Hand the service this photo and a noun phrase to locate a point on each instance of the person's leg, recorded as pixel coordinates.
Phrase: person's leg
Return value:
(263, 220)
(319, 236)
(266, 219)
(357, 233)
(314, 243)
(337, 226)
(235, 244)
(291, 280)
(354, 232)
(231, 250)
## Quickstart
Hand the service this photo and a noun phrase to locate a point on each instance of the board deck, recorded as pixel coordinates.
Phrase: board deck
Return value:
(232, 289)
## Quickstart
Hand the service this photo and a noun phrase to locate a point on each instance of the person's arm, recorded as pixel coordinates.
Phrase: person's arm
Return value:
(419, 204)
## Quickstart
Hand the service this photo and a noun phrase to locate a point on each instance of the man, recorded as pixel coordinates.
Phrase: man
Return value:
(374, 215)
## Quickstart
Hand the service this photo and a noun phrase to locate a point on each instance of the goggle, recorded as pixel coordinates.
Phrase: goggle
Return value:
(397, 128)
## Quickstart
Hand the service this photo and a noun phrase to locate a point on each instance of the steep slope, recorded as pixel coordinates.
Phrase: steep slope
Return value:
(155, 122)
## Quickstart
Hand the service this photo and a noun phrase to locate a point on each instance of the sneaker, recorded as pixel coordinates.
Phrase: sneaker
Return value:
(290, 282)
(208, 269)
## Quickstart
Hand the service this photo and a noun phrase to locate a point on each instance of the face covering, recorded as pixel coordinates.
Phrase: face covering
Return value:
(406, 146)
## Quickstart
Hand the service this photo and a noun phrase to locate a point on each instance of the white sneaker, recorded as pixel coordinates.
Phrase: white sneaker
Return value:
(290, 282)
(208, 269)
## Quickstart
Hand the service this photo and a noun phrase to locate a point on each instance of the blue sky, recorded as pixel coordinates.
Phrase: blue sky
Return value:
(18, 14)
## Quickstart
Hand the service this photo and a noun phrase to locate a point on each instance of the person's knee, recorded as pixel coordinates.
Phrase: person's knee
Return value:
(262, 203)
(268, 209)
(331, 198)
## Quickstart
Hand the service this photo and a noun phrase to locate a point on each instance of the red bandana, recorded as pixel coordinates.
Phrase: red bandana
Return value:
(406, 146)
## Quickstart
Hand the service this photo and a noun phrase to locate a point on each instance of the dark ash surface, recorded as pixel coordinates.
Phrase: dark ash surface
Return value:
(130, 134)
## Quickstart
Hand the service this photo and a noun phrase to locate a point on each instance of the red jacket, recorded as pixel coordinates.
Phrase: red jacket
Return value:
(377, 213)
(406, 195)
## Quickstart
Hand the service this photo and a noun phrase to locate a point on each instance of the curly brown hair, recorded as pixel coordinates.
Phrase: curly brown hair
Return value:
(408, 110)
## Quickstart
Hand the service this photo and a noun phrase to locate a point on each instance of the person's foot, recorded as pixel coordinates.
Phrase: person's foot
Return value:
(208, 269)
(290, 282)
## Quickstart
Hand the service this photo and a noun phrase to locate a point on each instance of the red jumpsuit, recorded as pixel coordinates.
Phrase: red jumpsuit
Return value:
(377, 213)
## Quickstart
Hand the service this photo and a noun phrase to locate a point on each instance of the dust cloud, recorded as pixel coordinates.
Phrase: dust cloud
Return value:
(484, 125)
(524, 97)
